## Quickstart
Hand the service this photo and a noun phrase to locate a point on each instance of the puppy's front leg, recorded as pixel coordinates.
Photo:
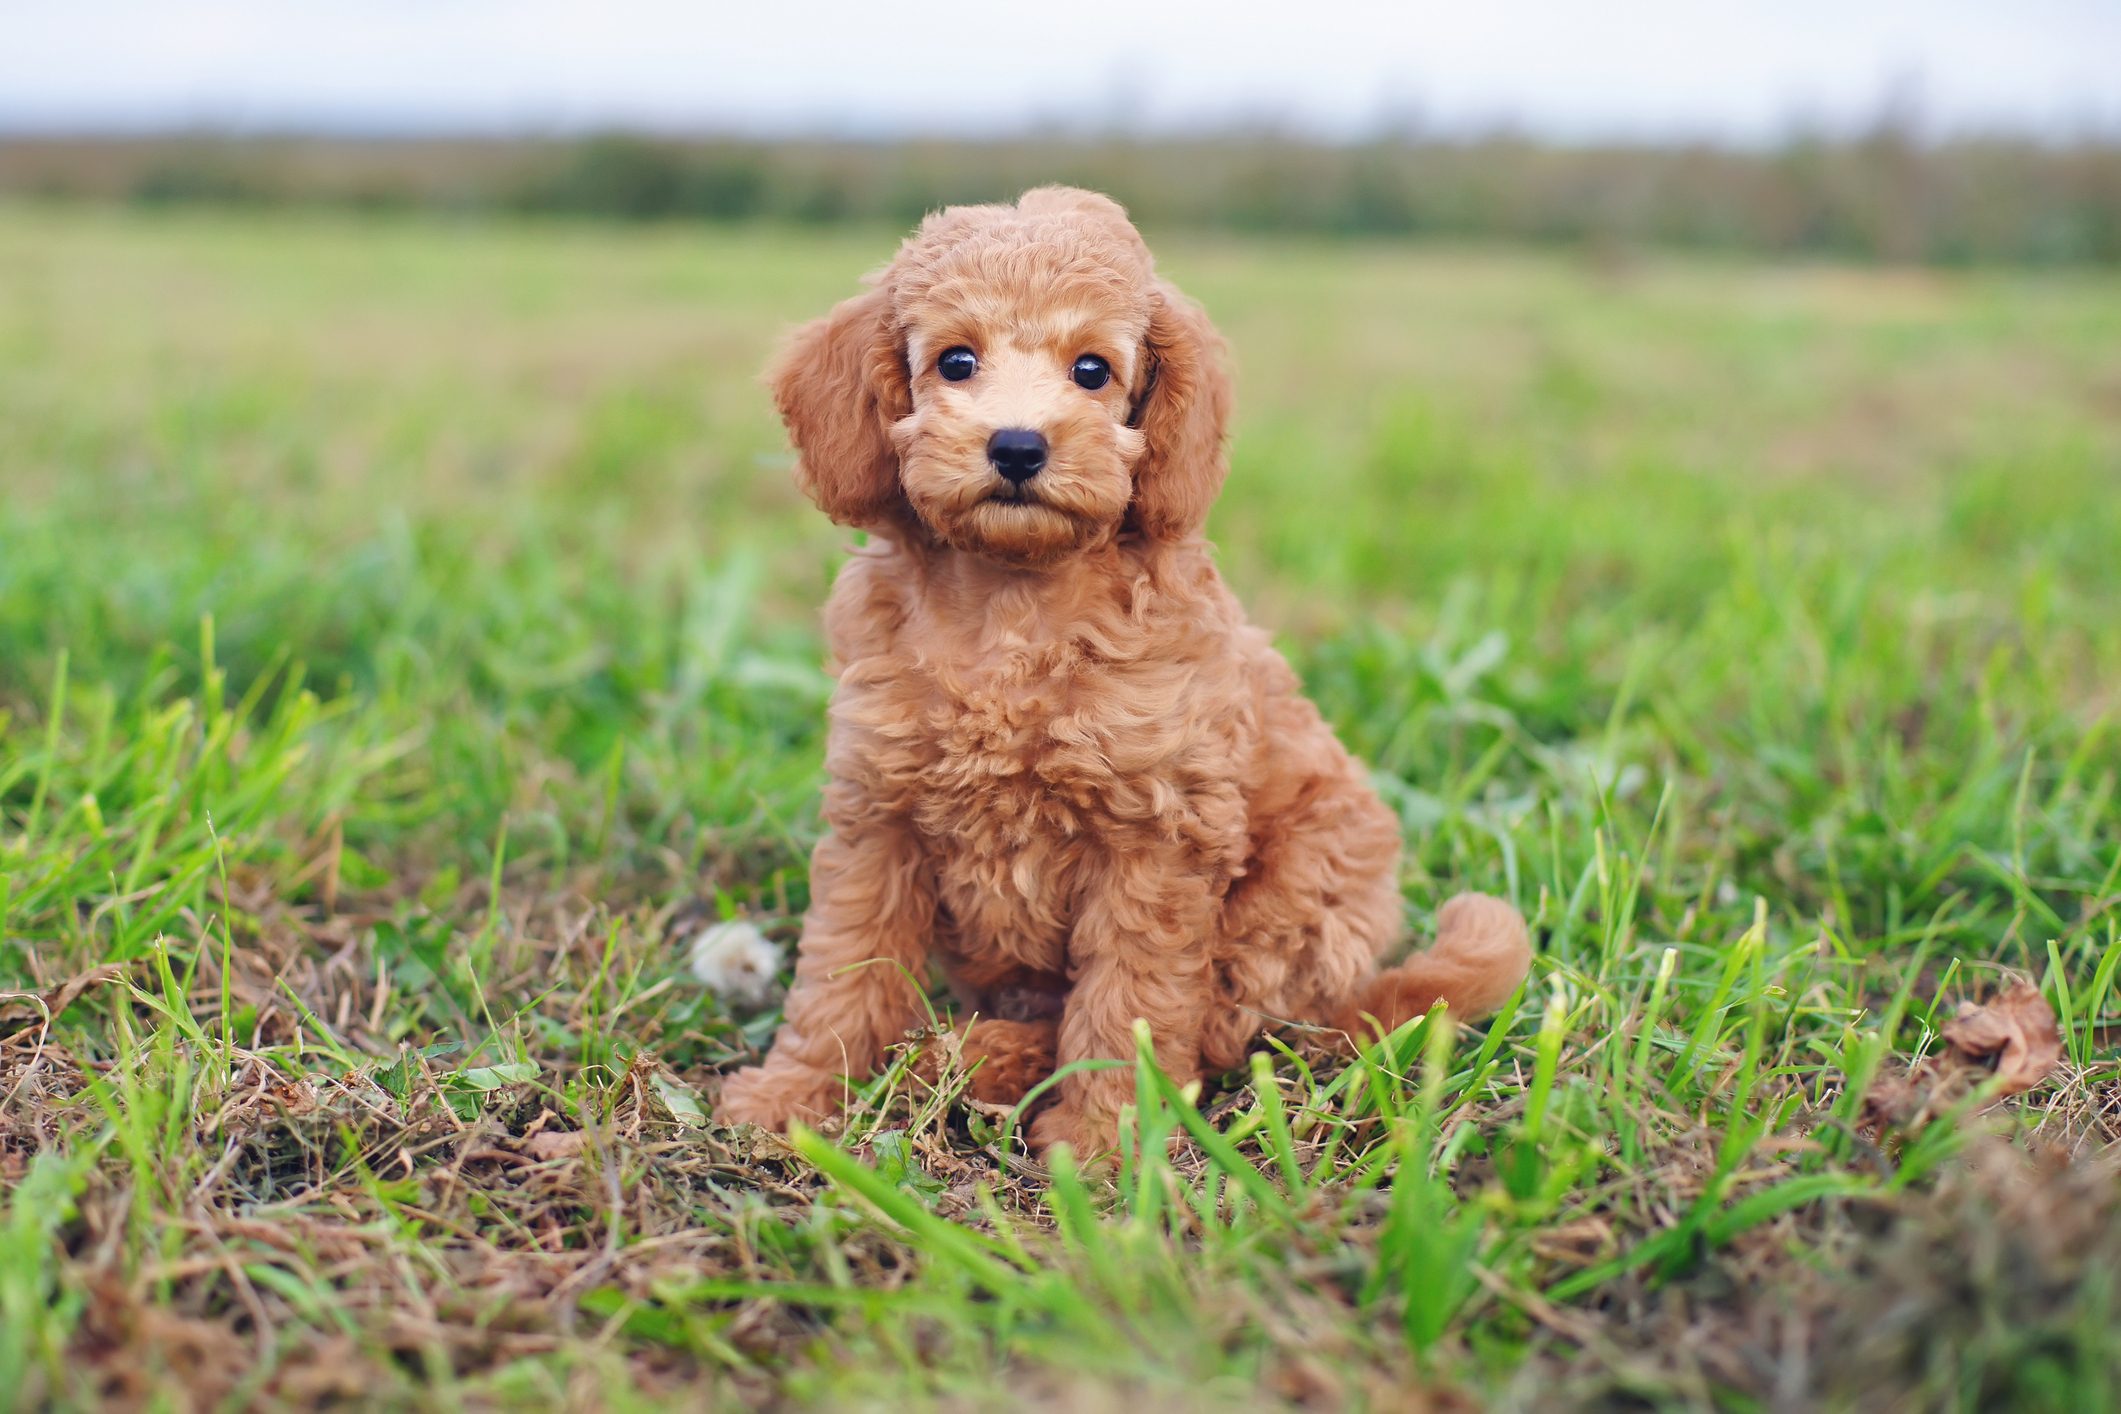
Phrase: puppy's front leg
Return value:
(858, 972)
(1139, 949)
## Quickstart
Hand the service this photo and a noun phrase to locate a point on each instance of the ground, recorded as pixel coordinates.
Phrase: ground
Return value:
(407, 631)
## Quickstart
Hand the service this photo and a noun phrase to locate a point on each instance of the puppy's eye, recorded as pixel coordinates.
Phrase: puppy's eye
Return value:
(958, 364)
(1091, 372)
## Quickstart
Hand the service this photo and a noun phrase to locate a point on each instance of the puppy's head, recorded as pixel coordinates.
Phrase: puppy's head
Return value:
(1017, 383)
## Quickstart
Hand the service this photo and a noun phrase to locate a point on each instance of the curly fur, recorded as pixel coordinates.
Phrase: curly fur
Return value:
(1062, 765)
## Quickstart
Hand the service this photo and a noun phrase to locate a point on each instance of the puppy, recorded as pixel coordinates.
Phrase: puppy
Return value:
(1062, 765)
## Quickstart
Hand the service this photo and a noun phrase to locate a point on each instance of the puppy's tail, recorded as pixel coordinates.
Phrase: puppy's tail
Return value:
(1482, 951)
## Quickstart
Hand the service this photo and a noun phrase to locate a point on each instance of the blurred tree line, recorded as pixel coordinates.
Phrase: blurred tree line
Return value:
(1880, 195)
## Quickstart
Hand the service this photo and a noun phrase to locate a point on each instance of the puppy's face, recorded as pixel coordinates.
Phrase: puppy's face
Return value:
(1018, 385)
(1021, 367)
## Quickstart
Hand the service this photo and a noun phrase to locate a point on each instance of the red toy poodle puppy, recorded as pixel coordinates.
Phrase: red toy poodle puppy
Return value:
(1063, 766)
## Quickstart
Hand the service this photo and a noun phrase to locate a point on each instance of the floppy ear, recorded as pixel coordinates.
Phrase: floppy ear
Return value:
(1182, 410)
(840, 383)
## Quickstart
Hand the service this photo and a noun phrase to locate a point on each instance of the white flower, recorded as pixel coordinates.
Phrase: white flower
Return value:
(735, 961)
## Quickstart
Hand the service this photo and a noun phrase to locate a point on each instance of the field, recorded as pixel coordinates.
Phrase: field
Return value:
(404, 622)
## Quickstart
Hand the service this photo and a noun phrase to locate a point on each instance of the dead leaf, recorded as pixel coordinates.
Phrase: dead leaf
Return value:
(59, 998)
(1892, 1102)
(550, 1145)
(2013, 1034)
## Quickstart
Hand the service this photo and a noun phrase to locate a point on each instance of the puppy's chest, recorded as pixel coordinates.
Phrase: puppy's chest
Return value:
(1017, 751)
(1019, 772)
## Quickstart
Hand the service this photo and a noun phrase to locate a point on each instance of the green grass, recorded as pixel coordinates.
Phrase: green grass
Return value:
(400, 621)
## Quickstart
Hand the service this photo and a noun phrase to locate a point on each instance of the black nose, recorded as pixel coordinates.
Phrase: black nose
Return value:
(1017, 453)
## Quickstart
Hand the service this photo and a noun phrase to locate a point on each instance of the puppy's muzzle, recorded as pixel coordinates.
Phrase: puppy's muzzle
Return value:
(1018, 453)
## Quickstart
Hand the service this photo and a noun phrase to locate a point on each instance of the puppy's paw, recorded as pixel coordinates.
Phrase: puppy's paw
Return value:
(1007, 1059)
(776, 1096)
(1095, 1143)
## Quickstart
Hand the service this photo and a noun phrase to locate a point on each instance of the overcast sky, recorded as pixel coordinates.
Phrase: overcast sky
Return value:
(1734, 69)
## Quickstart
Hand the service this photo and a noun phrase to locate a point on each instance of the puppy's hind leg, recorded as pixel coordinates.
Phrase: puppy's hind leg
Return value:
(1318, 903)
